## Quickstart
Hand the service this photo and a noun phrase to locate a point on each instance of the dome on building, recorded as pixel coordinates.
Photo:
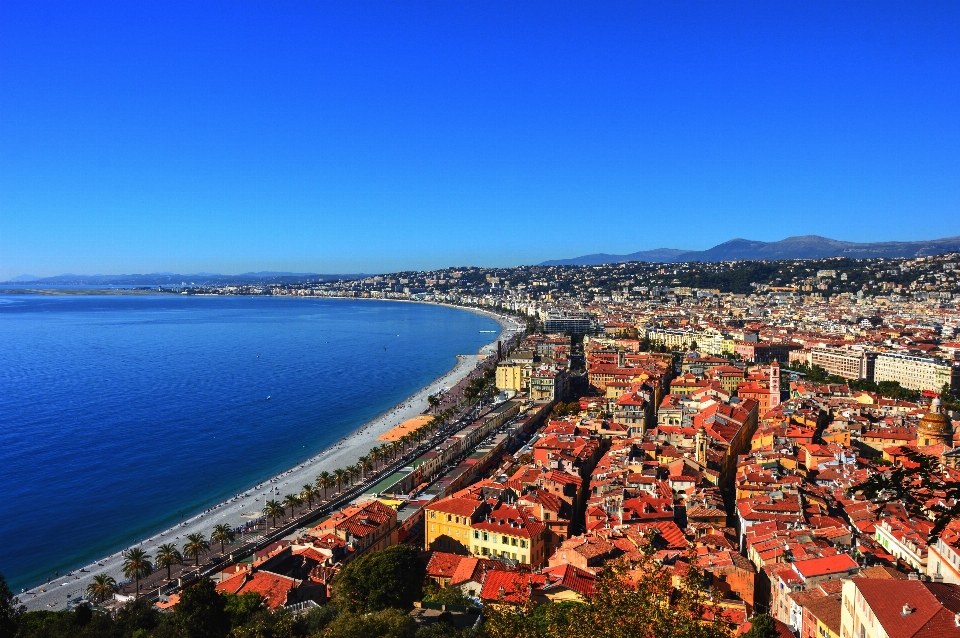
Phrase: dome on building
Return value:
(935, 427)
(935, 420)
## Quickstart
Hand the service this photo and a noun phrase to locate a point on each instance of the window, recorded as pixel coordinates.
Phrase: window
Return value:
(485, 536)
(449, 518)
(433, 514)
(506, 541)
(523, 558)
(476, 534)
(546, 516)
(476, 549)
(494, 539)
(513, 542)
(523, 544)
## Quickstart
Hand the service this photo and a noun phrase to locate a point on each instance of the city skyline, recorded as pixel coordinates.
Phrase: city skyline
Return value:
(382, 138)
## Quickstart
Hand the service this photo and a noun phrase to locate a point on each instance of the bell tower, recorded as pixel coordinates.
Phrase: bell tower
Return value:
(701, 446)
(774, 384)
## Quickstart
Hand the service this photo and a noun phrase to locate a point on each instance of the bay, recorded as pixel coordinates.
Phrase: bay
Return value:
(122, 414)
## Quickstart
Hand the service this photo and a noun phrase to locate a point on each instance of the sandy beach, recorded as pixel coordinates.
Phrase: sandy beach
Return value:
(246, 506)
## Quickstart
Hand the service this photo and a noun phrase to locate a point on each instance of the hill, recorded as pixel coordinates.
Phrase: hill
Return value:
(800, 247)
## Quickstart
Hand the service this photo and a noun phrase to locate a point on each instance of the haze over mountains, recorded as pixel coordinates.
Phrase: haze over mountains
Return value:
(174, 279)
(800, 247)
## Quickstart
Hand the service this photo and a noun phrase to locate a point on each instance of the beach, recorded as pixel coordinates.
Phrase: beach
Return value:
(246, 506)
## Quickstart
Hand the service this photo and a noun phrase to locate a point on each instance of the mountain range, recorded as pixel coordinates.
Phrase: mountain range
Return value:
(800, 247)
(174, 279)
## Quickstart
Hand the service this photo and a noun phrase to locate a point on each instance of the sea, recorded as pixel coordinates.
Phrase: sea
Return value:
(121, 415)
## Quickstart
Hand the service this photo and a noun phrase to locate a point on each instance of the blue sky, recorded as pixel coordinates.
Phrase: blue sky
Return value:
(365, 136)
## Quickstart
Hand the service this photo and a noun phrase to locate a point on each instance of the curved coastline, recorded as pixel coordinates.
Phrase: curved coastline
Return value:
(239, 509)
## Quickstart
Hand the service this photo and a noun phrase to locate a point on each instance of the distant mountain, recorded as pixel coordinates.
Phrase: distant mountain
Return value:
(174, 279)
(801, 247)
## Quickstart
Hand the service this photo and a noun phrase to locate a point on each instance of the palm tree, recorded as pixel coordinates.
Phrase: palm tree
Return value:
(293, 502)
(196, 544)
(274, 508)
(308, 493)
(136, 565)
(340, 477)
(324, 482)
(375, 455)
(222, 534)
(349, 474)
(167, 555)
(364, 463)
(395, 448)
(102, 587)
(433, 400)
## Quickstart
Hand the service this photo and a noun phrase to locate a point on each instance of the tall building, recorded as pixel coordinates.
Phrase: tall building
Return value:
(849, 364)
(575, 322)
(916, 373)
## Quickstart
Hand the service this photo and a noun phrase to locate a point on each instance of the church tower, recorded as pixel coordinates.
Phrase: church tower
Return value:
(701, 446)
(774, 384)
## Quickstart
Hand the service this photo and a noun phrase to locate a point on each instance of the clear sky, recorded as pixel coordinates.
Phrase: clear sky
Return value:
(364, 136)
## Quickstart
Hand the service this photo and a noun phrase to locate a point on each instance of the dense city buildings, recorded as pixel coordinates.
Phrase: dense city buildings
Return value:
(713, 416)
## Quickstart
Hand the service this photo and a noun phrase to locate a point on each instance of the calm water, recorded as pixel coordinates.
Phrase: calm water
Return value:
(120, 414)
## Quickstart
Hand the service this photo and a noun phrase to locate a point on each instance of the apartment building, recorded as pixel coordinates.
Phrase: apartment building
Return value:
(916, 373)
(564, 322)
(849, 364)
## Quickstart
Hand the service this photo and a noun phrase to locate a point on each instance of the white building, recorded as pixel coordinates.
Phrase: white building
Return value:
(916, 373)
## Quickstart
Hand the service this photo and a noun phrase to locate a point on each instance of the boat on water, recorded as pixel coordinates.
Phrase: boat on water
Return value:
(488, 331)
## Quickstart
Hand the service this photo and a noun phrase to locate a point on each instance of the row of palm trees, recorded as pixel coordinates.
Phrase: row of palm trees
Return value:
(137, 563)
(340, 477)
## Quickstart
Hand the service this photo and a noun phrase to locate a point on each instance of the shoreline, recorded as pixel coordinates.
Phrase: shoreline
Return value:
(245, 506)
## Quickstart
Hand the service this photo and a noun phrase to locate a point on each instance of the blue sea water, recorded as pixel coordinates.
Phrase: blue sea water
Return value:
(120, 415)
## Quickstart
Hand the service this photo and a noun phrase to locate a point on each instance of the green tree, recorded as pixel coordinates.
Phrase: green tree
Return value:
(447, 596)
(308, 493)
(762, 626)
(387, 623)
(340, 476)
(168, 555)
(201, 612)
(241, 607)
(293, 502)
(137, 618)
(434, 401)
(948, 399)
(101, 587)
(274, 509)
(392, 577)
(136, 565)
(10, 609)
(222, 534)
(196, 544)
(324, 482)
